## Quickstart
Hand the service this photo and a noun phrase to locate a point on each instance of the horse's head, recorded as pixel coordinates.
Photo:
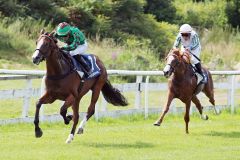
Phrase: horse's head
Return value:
(174, 59)
(45, 43)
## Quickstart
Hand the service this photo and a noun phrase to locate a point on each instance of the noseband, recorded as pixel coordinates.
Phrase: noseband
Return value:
(40, 51)
(55, 77)
(171, 66)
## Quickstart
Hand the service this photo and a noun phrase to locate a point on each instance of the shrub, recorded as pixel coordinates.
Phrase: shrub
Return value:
(207, 14)
(233, 12)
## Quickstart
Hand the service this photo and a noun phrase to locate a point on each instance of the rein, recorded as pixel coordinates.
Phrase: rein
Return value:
(180, 58)
(61, 76)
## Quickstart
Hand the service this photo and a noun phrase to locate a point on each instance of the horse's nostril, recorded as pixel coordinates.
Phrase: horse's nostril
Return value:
(35, 60)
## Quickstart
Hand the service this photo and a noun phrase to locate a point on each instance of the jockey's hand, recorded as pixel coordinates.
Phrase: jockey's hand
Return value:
(64, 50)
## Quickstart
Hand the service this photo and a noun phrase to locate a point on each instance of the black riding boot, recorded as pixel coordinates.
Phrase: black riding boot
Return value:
(199, 70)
(83, 63)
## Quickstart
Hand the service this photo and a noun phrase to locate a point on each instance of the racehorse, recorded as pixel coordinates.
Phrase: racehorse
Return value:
(183, 84)
(63, 83)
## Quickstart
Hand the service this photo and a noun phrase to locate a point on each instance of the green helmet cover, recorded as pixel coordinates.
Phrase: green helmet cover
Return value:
(63, 29)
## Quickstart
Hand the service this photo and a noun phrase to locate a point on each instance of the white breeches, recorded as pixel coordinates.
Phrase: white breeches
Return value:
(196, 52)
(81, 49)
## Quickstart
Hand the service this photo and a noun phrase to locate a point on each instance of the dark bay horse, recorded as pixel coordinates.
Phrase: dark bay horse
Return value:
(63, 83)
(183, 83)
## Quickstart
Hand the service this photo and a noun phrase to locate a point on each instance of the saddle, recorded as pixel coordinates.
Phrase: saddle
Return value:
(91, 61)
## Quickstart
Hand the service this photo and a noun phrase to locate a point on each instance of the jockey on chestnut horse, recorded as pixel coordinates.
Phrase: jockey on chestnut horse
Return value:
(184, 83)
(66, 82)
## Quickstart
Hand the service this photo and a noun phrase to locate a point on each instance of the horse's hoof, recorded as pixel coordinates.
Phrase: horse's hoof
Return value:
(38, 133)
(204, 117)
(69, 139)
(68, 119)
(66, 122)
(157, 123)
(80, 131)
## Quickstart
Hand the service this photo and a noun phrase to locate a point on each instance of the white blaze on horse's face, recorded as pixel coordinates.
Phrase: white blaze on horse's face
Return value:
(168, 67)
(36, 57)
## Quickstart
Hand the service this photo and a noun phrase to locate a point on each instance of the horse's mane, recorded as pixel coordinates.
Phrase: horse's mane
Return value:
(182, 56)
(61, 53)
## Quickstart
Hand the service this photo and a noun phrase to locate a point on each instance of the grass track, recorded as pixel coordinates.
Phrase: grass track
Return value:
(127, 138)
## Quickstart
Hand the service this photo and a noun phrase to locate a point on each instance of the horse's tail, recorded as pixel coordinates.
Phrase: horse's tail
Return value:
(112, 95)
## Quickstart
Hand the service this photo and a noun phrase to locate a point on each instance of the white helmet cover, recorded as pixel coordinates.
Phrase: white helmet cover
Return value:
(185, 28)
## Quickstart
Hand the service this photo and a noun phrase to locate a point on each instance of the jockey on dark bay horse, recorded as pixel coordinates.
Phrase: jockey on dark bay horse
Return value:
(76, 43)
(183, 82)
(63, 82)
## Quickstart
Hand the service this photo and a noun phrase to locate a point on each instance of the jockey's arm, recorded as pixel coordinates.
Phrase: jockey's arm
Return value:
(177, 42)
(78, 39)
(195, 43)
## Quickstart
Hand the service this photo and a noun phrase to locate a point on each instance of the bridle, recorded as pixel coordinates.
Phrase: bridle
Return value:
(40, 51)
(176, 64)
(55, 77)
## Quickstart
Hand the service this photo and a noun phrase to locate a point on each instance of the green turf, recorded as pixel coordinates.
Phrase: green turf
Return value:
(127, 138)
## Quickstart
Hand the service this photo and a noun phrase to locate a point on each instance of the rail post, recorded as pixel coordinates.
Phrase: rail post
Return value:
(26, 99)
(146, 98)
(96, 114)
(103, 104)
(232, 94)
(42, 92)
(138, 92)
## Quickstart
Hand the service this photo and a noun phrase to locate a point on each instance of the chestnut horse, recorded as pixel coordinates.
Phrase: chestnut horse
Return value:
(64, 83)
(183, 84)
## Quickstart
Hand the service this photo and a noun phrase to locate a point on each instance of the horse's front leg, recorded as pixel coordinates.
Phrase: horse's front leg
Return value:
(75, 108)
(63, 111)
(186, 116)
(165, 109)
(46, 98)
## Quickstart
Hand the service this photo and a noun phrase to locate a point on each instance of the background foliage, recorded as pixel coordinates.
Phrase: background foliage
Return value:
(134, 34)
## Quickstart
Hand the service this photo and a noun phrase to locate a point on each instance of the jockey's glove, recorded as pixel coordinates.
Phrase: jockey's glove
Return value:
(64, 51)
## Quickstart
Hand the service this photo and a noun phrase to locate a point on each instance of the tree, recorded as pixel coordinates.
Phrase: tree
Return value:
(233, 12)
(162, 9)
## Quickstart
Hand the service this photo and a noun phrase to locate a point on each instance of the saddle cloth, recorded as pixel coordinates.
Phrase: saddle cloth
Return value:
(91, 61)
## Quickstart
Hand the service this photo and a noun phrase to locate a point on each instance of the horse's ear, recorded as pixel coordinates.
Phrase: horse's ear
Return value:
(42, 31)
(51, 34)
(53, 37)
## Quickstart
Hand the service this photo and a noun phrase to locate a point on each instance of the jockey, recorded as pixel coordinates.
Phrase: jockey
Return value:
(189, 40)
(76, 44)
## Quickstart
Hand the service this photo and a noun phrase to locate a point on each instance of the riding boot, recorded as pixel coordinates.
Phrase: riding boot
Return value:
(199, 70)
(83, 63)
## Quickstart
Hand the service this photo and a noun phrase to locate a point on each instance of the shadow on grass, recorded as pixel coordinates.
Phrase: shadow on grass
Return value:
(120, 145)
(224, 134)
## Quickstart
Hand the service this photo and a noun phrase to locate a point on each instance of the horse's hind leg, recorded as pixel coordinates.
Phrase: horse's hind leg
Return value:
(165, 109)
(91, 109)
(196, 101)
(209, 92)
(63, 111)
